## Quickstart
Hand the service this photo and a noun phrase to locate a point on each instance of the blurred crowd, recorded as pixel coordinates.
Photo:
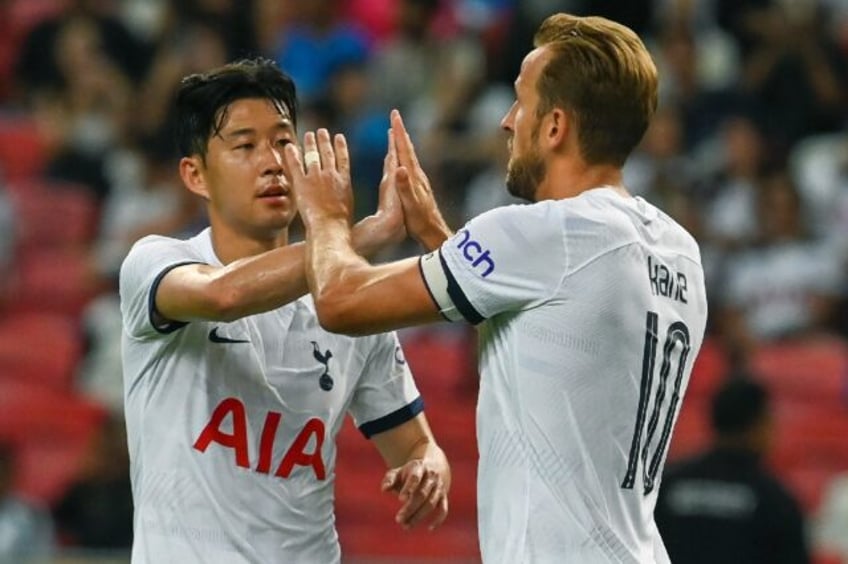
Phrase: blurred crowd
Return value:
(748, 150)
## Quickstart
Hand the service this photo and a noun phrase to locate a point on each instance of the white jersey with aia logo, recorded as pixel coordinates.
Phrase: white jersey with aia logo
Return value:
(232, 426)
(592, 311)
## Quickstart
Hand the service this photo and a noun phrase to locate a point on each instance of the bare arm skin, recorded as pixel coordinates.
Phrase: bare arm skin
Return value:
(271, 279)
(418, 473)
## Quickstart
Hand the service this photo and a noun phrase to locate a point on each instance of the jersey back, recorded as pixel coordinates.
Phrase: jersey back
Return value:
(591, 310)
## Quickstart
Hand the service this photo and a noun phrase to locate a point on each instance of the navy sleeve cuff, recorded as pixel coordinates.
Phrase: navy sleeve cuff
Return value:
(393, 419)
(170, 326)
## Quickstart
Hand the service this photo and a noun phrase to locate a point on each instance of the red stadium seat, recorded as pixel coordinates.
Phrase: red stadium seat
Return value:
(53, 214)
(41, 348)
(53, 280)
(810, 445)
(23, 149)
(53, 431)
(442, 360)
(814, 370)
(692, 433)
(709, 370)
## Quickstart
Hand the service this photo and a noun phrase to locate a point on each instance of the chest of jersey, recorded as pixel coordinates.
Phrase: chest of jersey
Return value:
(282, 386)
(287, 354)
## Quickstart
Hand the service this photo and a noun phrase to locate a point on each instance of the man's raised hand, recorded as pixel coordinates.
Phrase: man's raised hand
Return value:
(321, 178)
(424, 221)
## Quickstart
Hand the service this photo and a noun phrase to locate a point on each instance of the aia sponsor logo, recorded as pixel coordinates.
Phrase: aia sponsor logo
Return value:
(298, 453)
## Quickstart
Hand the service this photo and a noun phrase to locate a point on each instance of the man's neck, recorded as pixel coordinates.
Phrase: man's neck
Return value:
(230, 246)
(568, 178)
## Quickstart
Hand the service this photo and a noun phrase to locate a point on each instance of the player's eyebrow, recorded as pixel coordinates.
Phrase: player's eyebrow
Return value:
(285, 126)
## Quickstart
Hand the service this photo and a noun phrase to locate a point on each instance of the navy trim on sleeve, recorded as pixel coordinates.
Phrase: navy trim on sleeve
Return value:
(151, 301)
(393, 419)
(459, 300)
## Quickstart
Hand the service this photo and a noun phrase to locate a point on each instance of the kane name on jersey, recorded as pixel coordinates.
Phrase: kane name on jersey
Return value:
(665, 282)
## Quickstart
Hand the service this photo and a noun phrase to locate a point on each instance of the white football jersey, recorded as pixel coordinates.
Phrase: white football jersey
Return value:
(232, 426)
(593, 309)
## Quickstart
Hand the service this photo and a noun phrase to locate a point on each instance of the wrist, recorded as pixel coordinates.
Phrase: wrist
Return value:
(434, 235)
(316, 221)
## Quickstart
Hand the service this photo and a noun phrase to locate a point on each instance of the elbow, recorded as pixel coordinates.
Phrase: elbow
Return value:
(224, 302)
(334, 314)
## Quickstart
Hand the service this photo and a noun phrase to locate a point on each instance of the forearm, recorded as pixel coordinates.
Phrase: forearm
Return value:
(255, 284)
(331, 261)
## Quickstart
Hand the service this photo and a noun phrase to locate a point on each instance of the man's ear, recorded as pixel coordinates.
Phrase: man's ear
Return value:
(191, 171)
(556, 128)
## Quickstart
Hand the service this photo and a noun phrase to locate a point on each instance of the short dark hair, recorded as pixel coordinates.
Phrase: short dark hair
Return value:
(738, 405)
(203, 99)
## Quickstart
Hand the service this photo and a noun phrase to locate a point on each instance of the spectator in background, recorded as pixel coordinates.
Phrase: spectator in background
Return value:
(187, 49)
(88, 109)
(698, 70)
(316, 43)
(96, 511)
(232, 19)
(794, 71)
(410, 72)
(26, 531)
(734, 162)
(38, 67)
(660, 170)
(724, 506)
(785, 286)
(819, 165)
(151, 201)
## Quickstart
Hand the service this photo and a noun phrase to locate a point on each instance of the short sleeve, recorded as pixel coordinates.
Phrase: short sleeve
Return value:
(510, 258)
(386, 395)
(141, 271)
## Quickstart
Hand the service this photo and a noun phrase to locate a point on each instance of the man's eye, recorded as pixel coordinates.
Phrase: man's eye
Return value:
(246, 146)
(283, 142)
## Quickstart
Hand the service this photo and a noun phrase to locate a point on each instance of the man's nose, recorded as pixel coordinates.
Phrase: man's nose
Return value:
(505, 122)
(273, 160)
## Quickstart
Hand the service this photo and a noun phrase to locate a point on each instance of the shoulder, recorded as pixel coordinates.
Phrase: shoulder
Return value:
(153, 253)
(517, 221)
(154, 243)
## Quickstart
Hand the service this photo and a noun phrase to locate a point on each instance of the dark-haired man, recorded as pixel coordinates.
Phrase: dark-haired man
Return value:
(233, 392)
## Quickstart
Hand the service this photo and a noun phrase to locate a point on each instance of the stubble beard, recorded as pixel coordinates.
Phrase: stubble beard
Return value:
(524, 175)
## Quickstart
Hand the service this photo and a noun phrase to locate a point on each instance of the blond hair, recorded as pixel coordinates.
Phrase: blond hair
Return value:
(601, 74)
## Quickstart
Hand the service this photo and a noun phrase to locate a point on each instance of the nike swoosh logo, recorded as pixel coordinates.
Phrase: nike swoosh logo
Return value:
(216, 338)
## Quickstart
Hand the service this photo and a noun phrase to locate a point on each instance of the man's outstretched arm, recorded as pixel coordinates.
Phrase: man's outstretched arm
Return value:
(269, 280)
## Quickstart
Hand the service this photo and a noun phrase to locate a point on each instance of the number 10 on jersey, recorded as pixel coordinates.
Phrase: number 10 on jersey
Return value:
(677, 334)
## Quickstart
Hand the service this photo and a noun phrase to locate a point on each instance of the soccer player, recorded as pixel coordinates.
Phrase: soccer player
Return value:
(234, 394)
(590, 302)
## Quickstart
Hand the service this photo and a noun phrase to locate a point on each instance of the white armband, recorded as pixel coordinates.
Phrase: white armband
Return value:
(437, 284)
